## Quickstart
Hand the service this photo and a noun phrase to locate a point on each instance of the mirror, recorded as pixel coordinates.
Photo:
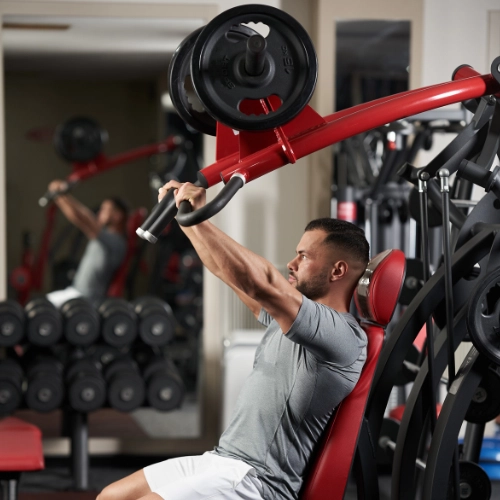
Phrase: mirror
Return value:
(112, 71)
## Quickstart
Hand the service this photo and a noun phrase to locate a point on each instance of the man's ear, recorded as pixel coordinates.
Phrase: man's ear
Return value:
(339, 270)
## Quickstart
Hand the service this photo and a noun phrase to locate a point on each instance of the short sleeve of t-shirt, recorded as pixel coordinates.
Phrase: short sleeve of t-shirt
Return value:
(329, 335)
(264, 318)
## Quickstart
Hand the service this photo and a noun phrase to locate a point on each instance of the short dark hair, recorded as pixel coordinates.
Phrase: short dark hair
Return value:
(343, 235)
(120, 204)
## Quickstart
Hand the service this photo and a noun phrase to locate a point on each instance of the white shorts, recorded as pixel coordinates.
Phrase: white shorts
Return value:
(205, 476)
(59, 297)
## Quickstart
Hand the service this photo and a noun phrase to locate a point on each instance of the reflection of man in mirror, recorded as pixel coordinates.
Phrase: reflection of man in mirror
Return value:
(105, 249)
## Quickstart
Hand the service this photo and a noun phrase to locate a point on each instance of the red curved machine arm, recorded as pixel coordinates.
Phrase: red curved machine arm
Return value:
(309, 132)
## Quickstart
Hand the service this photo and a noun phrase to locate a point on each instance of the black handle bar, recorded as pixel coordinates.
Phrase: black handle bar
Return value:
(165, 211)
(50, 195)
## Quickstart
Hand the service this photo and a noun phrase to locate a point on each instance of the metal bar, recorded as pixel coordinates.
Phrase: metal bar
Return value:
(444, 176)
(473, 441)
(79, 450)
(424, 217)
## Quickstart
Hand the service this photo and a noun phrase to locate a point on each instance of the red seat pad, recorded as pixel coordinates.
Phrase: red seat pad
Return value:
(378, 291)
(20, 446)
(328, 475)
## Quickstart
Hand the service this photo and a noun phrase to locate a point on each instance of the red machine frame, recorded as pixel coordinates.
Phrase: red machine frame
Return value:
(29, 275)
(253, 154)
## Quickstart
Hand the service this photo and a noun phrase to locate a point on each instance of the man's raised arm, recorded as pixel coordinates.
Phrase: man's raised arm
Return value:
(246, 272)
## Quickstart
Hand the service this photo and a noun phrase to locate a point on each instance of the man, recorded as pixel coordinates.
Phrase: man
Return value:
(309, 359)
(105, 250)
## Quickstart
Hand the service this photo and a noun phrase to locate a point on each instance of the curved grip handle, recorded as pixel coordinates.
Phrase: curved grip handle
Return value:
(160, 217)
(187, 218)
(50, 195)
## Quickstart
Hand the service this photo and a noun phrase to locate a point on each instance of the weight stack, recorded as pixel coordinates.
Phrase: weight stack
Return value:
(43, 323)
(12, 323)
(85, 384)
(165, 389)
(156, 321)
(45, 384)
(81, 322)
(118, 322)
(11, 386)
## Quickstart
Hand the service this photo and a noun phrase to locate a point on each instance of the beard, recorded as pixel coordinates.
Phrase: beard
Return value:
(314, 288)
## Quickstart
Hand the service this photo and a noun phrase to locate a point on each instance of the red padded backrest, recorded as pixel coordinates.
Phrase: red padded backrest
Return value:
(134, 221)
(379, 289)
(21, 446)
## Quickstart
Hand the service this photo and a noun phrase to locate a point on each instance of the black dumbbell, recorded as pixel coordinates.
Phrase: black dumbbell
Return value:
(45, 390)
(81, 321)
(164, 386)
(11, 386)
(126, 388)
(12, 323)
(118, 322)
(156, 320)
(43, 322)
(190, 316)
(85, 385)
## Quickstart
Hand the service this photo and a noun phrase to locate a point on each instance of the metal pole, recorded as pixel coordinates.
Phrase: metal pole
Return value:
(79, 450)
(444, 176)
(424, 218)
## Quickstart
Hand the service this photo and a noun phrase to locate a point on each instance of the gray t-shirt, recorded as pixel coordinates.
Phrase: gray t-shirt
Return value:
(102, 257)
(297, 381)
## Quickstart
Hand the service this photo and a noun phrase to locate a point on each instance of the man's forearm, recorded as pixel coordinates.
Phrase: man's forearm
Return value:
(202, 251)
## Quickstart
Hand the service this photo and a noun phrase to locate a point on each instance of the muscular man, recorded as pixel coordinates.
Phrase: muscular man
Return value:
(309, 359)
(105, 249)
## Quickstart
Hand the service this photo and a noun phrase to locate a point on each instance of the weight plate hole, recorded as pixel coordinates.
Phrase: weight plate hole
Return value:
(492, 298)
(254, 107)
(261, 28)
(192, 98)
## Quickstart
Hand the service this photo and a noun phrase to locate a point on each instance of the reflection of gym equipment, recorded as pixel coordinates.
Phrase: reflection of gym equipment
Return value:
(81, 322)
(85, 386)
(12, 323)
(156, 321)
(45, 385)
(164, 386)
(11, 380)
(77, 139)
(118, 322)
(43, 323)
(126, 390)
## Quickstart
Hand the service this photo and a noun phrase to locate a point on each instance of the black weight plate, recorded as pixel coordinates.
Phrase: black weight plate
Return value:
(11, 323)
(45, 393)
(44, 326)
(182, 92)
(10, 397)
(79, 139)
(119, 330)
(474, 483)
(485, 404)
(222, 84)
(156, 329)
(126, 391)
(165, 392)
(81, 327)
(87, 393)
(483, 317)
